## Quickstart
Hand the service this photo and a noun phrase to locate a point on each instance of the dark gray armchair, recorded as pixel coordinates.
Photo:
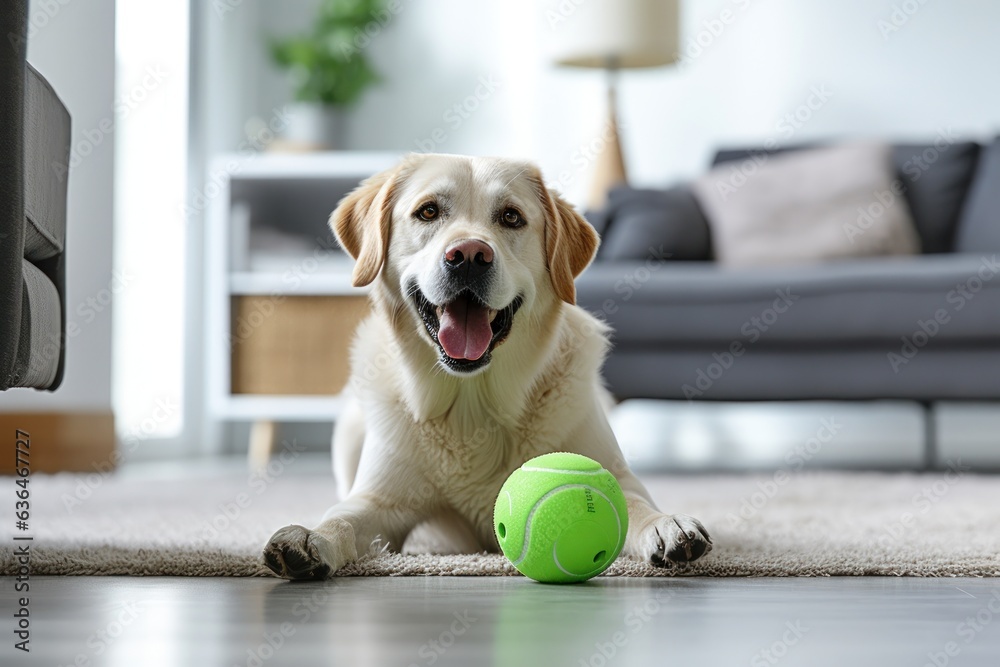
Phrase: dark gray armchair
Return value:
(34, 161)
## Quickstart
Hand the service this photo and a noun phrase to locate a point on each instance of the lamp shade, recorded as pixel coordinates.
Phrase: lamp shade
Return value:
(620, 33)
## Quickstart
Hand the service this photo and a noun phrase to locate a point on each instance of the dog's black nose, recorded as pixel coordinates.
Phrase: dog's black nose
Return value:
(468, 259)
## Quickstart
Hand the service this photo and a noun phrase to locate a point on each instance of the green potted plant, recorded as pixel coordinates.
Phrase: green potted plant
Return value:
(329, 70)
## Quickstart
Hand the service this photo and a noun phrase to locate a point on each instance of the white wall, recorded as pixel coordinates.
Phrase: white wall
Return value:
(72, 45)
(937, 70)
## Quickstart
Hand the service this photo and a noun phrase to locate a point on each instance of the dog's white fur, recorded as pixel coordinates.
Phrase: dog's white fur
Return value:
(420, 444)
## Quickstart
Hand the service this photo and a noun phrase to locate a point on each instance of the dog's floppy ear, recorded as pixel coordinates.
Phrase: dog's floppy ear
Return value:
(362, 222)
(570, 242)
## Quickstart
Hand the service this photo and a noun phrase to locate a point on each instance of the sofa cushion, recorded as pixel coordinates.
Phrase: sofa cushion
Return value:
(598, 219)
(937, 179)
(661, 222)
(47, 148)
(936, 176)
(857, 301)
(825, 203)
(39, 344)
(979, 226)
(768, 373)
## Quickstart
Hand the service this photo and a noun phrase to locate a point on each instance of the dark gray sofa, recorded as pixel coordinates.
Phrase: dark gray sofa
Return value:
(924, 327)
(34, 159)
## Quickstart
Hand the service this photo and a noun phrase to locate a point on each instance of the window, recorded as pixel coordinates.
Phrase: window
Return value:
(151, 134)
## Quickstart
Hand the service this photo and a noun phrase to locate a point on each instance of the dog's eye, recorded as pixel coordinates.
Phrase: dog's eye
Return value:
(512, 218)
(428, 212)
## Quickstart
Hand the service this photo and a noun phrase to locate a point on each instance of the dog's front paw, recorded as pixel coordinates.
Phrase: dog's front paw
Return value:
(675, 539)
(295, 552)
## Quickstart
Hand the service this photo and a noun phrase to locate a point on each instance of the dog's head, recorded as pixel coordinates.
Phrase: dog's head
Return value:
(467, 246)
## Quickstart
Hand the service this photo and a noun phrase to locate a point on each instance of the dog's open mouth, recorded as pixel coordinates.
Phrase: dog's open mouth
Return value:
(465, 329)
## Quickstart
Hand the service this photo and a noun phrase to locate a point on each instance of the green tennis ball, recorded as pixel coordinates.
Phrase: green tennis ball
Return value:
(561, 518)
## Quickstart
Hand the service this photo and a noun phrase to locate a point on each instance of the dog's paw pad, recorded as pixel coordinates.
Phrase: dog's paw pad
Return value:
(678, 539)
(293, 553)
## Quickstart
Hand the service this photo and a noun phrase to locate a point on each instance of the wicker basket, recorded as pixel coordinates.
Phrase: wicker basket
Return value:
(285, 345)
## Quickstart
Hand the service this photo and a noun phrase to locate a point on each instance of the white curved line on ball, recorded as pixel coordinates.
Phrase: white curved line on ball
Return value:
(534, 508)
(510, 502)
(617, 520)
(563, 471)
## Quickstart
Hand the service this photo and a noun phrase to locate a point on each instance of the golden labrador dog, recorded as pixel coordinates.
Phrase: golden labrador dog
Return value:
(475, 358)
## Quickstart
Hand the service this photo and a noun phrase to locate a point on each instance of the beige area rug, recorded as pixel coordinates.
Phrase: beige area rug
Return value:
(820, 524)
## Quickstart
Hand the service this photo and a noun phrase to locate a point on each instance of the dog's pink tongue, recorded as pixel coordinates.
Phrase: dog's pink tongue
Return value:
(465, 331)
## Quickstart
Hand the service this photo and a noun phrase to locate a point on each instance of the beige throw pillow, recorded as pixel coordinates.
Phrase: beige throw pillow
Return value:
(806, 206)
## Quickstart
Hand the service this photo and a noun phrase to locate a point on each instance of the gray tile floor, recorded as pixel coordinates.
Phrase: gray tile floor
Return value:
(506, 621)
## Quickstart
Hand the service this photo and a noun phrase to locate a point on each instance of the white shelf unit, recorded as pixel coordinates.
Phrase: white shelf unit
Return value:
(232, 268)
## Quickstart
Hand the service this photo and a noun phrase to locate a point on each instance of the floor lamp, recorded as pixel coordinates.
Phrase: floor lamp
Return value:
(613, 35)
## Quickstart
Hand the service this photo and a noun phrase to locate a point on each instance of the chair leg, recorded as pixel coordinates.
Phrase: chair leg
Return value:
(262, 436)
